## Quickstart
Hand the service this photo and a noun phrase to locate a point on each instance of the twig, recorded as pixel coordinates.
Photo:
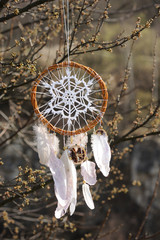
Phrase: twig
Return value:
(135, 137)
(15, 133)
(151, 236)
(103, 223)
(25, 9)
(35, 188)
(126, 76)
(2, 3)
(17, 86)
(115, 229)
(148, 207)
(124, 138)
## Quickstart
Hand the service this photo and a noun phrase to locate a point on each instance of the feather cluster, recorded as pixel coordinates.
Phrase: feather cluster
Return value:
(63, 169)
(44, 140)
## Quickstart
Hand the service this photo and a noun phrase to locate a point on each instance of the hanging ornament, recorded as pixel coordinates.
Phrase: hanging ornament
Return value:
(70, 99)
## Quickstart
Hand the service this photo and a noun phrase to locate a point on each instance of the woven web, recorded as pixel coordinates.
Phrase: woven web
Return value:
(69, 98)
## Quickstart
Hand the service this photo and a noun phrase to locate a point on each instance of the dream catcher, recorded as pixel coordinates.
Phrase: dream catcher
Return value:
(70, 99)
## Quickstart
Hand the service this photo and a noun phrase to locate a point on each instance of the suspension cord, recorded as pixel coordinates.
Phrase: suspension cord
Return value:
(66, 24)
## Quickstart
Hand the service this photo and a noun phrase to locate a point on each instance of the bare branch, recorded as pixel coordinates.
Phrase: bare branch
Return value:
(25, 9)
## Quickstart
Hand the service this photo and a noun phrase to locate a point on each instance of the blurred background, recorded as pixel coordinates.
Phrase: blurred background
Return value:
(120, 40)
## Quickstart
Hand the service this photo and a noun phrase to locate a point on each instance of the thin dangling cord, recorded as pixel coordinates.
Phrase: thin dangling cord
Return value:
(66, 29)
(66, 24)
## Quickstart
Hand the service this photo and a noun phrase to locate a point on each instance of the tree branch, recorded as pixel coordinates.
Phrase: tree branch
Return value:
(126, 138)
(25, 9)
(17, 196)
(2, 3)
(137, 137)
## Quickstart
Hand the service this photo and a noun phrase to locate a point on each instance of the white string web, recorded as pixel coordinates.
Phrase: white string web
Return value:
(69, 98)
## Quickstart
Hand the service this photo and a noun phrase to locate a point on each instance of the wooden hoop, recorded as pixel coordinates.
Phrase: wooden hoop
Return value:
(92, 123)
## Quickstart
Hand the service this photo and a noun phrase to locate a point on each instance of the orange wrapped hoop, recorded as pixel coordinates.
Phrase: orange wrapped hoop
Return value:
(89, 123)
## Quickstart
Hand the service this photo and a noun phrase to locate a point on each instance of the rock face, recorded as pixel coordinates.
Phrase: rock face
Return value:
(14, 155)
(145, 167)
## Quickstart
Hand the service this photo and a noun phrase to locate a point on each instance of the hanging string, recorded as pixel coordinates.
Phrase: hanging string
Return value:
(66, 30)
(66, 24)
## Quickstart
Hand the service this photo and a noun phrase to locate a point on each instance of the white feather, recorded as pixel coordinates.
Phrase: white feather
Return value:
(87, 196)
(71, 187)
(71, 181)
(88, 171)
(102, 152)
(44, 140)
(57, 169)
(73, 173)
(60, 212)
(80, 140)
